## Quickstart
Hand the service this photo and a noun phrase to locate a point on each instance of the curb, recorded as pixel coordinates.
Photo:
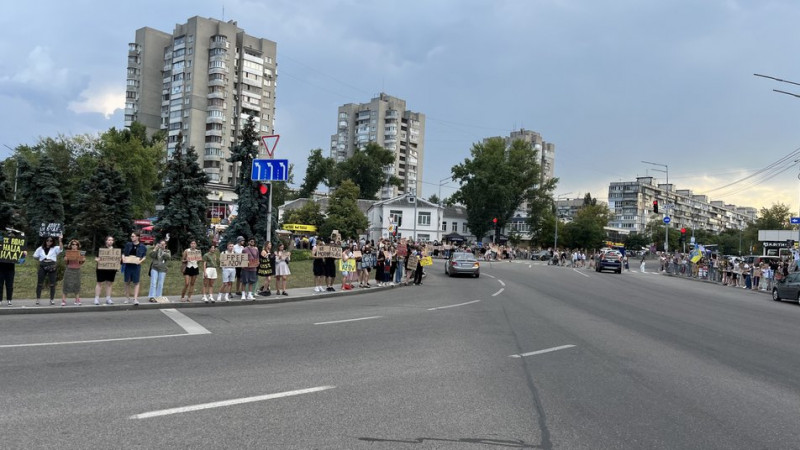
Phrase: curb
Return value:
(717, 283)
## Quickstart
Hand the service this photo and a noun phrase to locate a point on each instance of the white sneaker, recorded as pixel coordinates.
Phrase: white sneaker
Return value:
(135, 302)
(97, 301)
(205, 299)
(227, 299)
(244, 296)
(250, 296)
(219, 297)
(109, 302)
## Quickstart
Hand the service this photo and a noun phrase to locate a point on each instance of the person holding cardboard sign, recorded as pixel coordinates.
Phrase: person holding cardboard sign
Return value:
(250, 273)
(13, 253)
(108, 262)
(158, 269)
(47, 254)
(74, 258)
(190, 262)
(133, 255)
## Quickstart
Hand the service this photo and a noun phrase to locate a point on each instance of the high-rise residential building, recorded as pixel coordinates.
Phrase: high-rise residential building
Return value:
(385, 121)
(203, 81)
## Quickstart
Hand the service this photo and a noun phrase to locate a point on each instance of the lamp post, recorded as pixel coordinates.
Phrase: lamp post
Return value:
(555, 242)
(666, 205)
(441, 183)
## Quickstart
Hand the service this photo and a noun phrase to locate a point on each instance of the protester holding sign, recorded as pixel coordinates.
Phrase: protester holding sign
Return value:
(158, 269)
(12, 253)
(133, 255)
(228, 272)
(108, 262)
(190, 263)
(250, 273)
(210, 268)
(47, 255)
(72, 275)
(282, 272)
(318, 268)
(266, 268)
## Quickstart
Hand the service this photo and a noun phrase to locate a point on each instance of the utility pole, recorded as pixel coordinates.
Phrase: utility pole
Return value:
(667, 205)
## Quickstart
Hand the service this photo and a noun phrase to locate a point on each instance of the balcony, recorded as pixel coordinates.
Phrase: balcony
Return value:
(213, 132)
(218, 94)
(342, 124)
(216, 70)
(217, 82)
(211, 119)
(219, 43)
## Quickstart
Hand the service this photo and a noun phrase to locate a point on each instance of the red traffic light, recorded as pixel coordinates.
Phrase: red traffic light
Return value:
(655, 206)
(683, 230)
(263, 188)
(494, 220)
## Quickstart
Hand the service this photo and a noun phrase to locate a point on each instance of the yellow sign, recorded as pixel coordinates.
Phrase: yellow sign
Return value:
(347, 266)
(426, 261)
(299, 227)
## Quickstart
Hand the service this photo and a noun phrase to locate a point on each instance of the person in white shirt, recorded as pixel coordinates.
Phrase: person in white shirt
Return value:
(238, 248)
(47, 255)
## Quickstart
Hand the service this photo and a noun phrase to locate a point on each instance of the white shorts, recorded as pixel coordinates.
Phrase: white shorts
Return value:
(228, 274)
(211, 273)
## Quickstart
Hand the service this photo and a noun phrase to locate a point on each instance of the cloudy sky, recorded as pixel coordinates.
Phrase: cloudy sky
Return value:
(611, 83)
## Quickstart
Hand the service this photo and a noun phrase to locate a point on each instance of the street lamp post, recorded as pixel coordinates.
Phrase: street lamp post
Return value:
(555, 242)
(442, 182)
(666, 205)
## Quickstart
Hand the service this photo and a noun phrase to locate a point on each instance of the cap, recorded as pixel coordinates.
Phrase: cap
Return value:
(240, 238)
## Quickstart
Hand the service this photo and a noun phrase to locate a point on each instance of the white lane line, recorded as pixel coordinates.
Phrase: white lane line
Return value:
(501, 282)
(539, 352)
(529, 266)
(184, 322)
(498, 292)
(490, 276)
(42, 344)
(577, 271)
(236, 401)
(453, 306)
(348, 320)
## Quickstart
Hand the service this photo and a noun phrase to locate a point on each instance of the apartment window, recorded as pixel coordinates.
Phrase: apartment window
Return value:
(455, 227)
(424, 218)
(444, 226)
(396, 217)
(424, 237)
(464, 227)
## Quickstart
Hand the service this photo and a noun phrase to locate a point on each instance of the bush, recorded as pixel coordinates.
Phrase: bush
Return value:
(301, 255)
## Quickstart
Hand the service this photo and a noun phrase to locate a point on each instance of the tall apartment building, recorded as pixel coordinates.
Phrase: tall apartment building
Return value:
(385, 121)
(631, 206)
(203, 80)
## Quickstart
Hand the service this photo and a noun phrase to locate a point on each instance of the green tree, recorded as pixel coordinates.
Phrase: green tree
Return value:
(343, 212)
(251, 218)
(104, 207)
(44, 201)
(308, 214)
(366, 169)
(434, 199)
(318, 171)
(185, 200)
(9, 214)
(495, 181)
(587, 228)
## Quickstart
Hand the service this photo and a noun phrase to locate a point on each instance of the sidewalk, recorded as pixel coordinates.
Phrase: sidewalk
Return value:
(706, 280)
(28, 306)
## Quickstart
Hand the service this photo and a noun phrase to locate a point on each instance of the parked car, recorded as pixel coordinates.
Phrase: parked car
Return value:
(543, 255)
(610, 260)
(788, 288)
(462, 263)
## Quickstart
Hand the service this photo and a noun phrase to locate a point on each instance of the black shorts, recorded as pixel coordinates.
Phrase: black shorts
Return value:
(318, 267)
(106, 275)
(191, 271)
(330, 267)
(238, 273)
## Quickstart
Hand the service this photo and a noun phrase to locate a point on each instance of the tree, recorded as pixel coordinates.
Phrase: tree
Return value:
(343, 212)
(44, 201)
(496, 181)
(185, 200)
(9, 214)
(251, 218)
(318, 171)
(104, 207)
(308, 214)
(587, 228)
(434, 199)
(366, 169)
(588, 200)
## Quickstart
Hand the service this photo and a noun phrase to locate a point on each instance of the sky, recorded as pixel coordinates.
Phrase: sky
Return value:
(611, 83)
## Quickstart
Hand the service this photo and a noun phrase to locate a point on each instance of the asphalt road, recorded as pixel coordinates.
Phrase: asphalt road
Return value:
(536, 357)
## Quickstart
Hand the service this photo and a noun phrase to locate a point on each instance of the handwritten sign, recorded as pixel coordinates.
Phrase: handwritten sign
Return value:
(194, 255)
(412, 261)
(11, 249)
(329, 251)
(402, 249)
(73, 255)
(426, 261)
(356, 254)
(233, 260)
(368, 260)
(51, 229)
(109, 259)
(347, 266)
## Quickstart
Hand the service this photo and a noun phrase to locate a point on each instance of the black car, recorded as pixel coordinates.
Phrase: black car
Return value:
(610, 260)
(788, 288)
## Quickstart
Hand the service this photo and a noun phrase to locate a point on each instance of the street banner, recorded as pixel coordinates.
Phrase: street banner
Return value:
(329, 251)
(109, 259)
(51, 229)
(233, 260)
(11, 249)
(426, 261)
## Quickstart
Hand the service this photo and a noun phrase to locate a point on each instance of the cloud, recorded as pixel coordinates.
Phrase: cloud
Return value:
(41, 75)
(104, 100)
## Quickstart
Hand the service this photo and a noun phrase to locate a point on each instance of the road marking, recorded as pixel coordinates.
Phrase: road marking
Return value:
(191, 327)
(184, 322)
(236, 401)
(498, 292)
(453, 306)
(539, 352)
(529, 266)
(490, 276)
(501, 282)
(577, 271)
(348, 320)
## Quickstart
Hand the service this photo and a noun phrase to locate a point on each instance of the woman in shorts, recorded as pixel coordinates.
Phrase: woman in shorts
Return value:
(228, 275)
(105, 277)
(266, 268)
(190, 272)
(210, 269)
(318, 267)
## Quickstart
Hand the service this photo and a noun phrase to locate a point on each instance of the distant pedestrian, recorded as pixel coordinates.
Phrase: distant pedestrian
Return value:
(282, 272)
(266, 269)
(105, 277)
(644, 258)
(136, 252)
(318, 268)
(228, 274)
(7, 272)
(191, 268)
(210, 272)
(47, 255)
(158, 269)
(72, 274)
(249, 273)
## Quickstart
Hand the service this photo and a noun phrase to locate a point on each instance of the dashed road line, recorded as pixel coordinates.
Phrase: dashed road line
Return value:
(501, 282)
(539, 352)
(220, 404)
(453, 306)
(348, 320)
(490, 276)
(184, 322)
(577, 271)
(498, 292)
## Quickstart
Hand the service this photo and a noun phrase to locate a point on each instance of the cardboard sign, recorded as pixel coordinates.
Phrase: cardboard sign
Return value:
(194, 255)
(347, 266)
(73, 255)
(131, 260)
(368, 260)
(412, 262)
(357, 254)
(426, 261)
(11, 249)
(51, 229)
(109, 259)
(402, 249)
(329, 251)
(233, 260)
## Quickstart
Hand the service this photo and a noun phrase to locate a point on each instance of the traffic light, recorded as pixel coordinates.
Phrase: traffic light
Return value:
(683, 232)
(494, 220)
(655, 206)
(683, 236)
(263, 189)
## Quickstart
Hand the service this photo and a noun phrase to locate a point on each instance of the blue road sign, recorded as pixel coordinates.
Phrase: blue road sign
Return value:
(270, 170)
(795, 220)
(666, 219)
